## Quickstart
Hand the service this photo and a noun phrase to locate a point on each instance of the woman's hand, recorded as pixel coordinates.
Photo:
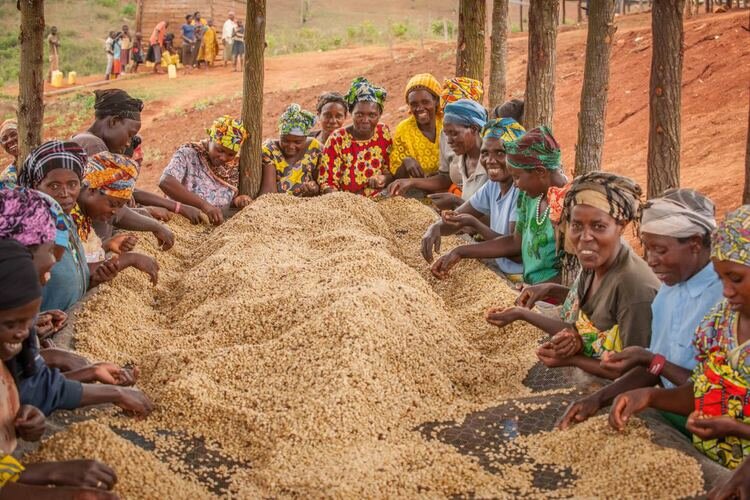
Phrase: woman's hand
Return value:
(190, 213)
(82, 473)
(309, 188)
(241, 201)
(377, 181)
(504, 316)
(627, 359)
(566, 343)
(444, 264)
(215, 215)
(710, 427)
(628, 404)
(579, 411)
(457, 220)
(445, 201)
(548, 355)
(106, 271)
(29, 423)
(159, 213)
(430, 241)
(164, 236)
(413, 168)
(110, 373)
(399, 187)
(134, 401)
(121, 243)
(532, 294)
(50, 322)
(738, 485)
(143, 263)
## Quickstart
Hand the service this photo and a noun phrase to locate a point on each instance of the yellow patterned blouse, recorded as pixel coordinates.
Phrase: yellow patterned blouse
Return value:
(289, 178)
(409, 142)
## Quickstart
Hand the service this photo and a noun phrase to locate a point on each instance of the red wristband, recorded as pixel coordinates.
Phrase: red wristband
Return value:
(657, 365)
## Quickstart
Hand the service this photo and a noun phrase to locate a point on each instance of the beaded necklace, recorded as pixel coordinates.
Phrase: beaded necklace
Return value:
(540, 220)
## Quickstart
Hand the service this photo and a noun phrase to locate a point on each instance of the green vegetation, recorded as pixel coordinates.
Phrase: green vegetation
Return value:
(129, 10)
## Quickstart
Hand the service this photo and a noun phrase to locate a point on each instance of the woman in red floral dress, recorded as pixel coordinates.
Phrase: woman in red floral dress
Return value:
(357, 158)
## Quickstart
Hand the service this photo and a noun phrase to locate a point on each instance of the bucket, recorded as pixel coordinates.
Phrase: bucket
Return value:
(72, 77)
(57, 78)
(172, 70)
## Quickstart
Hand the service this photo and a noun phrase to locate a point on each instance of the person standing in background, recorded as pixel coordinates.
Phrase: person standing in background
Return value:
(126, 43)
(238, 46)
(109, 50)
(156, 43)
(53, 40)
(227, 37)
(188, 43)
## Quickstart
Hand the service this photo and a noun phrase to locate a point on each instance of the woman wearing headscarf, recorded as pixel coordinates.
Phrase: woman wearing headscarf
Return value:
(716, 395)
(20, 293)
(106, 187)
(9, 143)
(206, 174)
(332, 109)
(676, 235)
(357, 158)
(608, 307)
(416, 150)
(497, 199)
(291, 163)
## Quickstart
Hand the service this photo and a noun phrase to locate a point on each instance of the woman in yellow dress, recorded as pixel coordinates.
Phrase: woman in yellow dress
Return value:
(210, 45)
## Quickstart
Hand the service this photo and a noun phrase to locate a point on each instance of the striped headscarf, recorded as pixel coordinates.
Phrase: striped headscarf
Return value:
(50, 156)
(228, 132)
(25, 216)
(679, 213)
(731, 238)
(296, 121)
(506, 129)
(8, 125)
(423, 81)
(362, 90)
(466, 113)
(537, 148)
(618, 196)
(461, 88)
(113, 174)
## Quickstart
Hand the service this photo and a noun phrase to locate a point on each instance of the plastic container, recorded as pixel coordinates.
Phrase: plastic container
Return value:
(72, 77)
(172, 70)
(57, 79)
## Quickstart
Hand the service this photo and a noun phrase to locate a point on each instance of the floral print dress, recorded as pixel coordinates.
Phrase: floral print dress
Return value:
(290, 178)
(348, 164)
(721, 381)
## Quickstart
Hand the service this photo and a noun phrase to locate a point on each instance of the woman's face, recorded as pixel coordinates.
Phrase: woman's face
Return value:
(63, 185)
(423, 105)
(119, 133)
(15, 325)
(530, 181)
(595, 235)
(461, 139)
(365, 117)
(492, 158)
(99, 206)
(292, 145)
(736, 280)
(9, 141)
(45, 257)
(332, 116)
(671, 261)
(220, 155)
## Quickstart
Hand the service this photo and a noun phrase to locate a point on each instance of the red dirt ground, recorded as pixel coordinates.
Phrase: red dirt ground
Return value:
(715, 96)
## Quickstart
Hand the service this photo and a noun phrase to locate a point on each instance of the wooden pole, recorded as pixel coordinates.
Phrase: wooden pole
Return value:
(470, 45)
(579, 19)
(746, 193)
(520, 16)
(539, 99)
(252, 97)
(563, 13)
(30, 78)
(499, 52)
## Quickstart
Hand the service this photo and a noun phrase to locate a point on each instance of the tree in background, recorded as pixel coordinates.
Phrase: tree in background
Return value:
(499, 52)
(665, 96)
(470, 50)
(591, 117)
(746, 192)
(30, 77)
(252, 97)
(540, 69)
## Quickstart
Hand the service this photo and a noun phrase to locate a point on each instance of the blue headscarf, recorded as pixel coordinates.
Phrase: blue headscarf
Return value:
(466, 113)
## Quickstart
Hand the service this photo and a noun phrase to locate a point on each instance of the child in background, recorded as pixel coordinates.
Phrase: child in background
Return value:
(238, 46)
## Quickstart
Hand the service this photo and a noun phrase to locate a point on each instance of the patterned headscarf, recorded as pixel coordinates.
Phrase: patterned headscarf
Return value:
(362, 90)
(461, 88)
(25, 217)
(679, 213)
(50, 156)
(228, 132)
(8, 125)
(537, 148)
(114, 174)
(424, 81)
(618, 196)
(506, 129)
(731, 238)
(296, 121)
(116, 102)
(466, 113)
